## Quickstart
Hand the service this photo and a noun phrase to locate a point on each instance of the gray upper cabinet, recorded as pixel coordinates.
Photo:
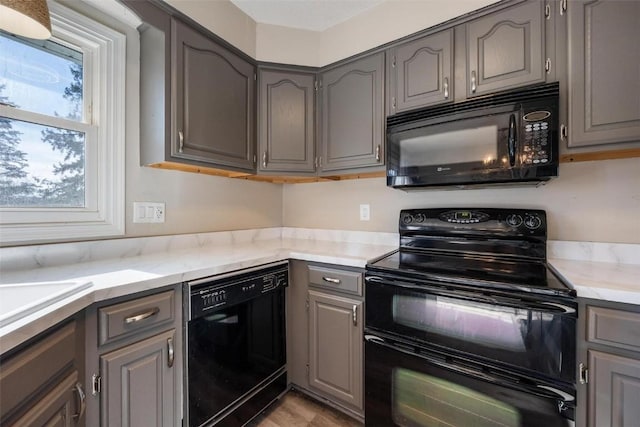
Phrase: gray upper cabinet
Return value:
(214, 101)
(353, 115)
(506, 49)
(420, 73)
(604, 72)
(286, 121)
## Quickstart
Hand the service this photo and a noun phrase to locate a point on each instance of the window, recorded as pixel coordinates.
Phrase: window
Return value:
(62, 132)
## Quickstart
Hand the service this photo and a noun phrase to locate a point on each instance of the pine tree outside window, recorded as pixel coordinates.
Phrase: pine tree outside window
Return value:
(62, 132)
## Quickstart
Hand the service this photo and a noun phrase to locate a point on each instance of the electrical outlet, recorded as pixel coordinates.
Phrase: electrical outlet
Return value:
(365, 212)
(148, 212)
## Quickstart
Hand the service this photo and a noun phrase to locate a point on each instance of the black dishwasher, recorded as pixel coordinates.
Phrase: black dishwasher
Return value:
(235, 345)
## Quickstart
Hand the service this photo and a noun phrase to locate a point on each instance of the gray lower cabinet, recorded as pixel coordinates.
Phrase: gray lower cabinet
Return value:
(506, 49)
(286, 101)
(134, 361)
(609, 365)
(352, 115)
(603, 72)
(42, 383)
(214, 95)
(325, 320)
(420, 72)
(335, 347)
(139, 385)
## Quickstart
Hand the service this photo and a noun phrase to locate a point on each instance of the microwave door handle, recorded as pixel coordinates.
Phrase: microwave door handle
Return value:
(513, 142)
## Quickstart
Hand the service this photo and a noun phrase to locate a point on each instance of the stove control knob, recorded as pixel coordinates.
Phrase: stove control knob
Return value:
(532, 222)
(514, 220)
(407, 219)
(420, 217)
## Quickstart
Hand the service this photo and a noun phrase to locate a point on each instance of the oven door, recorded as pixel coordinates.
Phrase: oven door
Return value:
(231, 351)
(531, 335)
(404, 388)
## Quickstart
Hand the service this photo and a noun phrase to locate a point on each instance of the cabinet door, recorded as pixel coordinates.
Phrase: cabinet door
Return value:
(421, 72)
(214, 106)
(286, 126)
(604, 72)
(353, 115)
(335, 347)
(61, 407)
(139, 385)
(506, 49)
(614, 390)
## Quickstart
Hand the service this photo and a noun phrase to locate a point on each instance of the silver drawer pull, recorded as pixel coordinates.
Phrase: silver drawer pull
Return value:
(139, 317)
(181, 141)
(378, 153)
(446, 88)
(473, 82)
(332, 280)
(170, 352)
(81, 401)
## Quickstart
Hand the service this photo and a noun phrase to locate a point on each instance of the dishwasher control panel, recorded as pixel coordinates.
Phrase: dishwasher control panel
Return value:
(209, 295)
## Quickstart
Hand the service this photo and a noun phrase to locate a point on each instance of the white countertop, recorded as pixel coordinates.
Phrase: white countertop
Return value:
(125, 266)
(126, 275)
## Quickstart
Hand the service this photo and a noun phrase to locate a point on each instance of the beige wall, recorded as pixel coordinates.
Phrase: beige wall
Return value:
(589, 201)
(224, 19)
(388, 21)
(271, 43)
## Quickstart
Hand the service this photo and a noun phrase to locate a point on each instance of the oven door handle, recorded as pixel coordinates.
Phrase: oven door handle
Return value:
(477, 297)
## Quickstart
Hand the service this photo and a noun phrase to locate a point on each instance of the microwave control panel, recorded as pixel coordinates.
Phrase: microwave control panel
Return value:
(535, 149)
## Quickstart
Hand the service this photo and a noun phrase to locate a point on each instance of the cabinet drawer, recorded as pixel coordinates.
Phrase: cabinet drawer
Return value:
(338, 280)
(131, 317)
(613, 327)
(29, 371)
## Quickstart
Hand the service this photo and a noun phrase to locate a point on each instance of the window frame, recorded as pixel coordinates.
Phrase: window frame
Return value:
(104, 62)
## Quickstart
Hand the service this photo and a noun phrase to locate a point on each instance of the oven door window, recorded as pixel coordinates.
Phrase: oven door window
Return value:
(425, 400)
(474, 144)
(232, 350)
(407, 390)
(537, 339)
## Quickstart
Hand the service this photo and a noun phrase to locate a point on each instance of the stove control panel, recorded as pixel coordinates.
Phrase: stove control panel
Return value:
(504, 222)
(211, 295)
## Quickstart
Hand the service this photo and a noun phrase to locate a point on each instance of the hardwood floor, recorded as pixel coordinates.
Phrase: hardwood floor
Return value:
(298, 410)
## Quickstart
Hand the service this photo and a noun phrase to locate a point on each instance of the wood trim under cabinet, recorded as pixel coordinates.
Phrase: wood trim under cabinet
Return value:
(600, 155)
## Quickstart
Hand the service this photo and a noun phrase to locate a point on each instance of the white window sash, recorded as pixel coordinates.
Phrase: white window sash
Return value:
(104, 128)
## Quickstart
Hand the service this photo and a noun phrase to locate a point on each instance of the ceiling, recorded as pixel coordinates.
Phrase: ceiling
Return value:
(314, 15)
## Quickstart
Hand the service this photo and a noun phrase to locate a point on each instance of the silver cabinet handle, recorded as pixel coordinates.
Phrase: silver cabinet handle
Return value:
(446, 88)
(264, 159)
(584, 374)
(378, 153)
(355, 315)
(473, 82)
(170, 352)
(564, 133)
(331, 280)
(81, 401)
(181, 141)
(139, 317)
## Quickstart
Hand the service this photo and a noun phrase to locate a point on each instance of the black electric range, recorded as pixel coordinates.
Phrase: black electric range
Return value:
(468, 310)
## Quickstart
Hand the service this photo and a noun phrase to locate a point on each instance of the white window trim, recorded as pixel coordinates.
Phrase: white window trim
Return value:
(104, 214)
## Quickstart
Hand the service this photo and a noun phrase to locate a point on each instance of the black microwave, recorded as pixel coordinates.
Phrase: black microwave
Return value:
(509, 137)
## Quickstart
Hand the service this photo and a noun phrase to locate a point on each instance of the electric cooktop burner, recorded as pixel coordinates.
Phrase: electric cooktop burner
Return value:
(493, 248)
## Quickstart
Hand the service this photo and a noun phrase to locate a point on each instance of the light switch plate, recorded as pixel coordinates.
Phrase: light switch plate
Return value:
(365, 212)
(148, 212)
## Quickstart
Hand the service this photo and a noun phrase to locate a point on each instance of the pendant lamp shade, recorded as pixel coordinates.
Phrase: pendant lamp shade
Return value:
(27, 18)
